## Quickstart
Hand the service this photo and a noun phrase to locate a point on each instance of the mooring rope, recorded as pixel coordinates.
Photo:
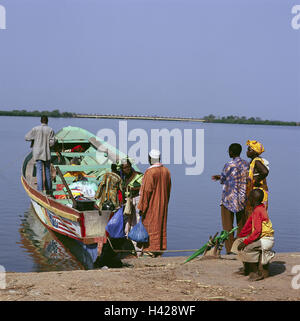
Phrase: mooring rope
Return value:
(162, 251)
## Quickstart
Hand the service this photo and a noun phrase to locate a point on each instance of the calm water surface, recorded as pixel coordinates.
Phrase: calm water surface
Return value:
(194, 211)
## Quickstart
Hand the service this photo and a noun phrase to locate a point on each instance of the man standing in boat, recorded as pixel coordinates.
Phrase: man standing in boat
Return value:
(43, 138)
(153, 204)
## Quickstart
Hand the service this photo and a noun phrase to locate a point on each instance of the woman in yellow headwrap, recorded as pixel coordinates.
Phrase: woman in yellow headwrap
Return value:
(258, 172)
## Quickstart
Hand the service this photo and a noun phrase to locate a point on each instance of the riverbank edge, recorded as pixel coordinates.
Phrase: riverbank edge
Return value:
(159, 279)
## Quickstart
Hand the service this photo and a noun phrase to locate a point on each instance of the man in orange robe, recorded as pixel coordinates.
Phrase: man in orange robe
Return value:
(153, 204)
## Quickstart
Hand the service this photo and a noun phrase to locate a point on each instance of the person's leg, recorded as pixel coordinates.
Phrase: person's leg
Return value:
(39, 175)
(48, 181)
(227, 223)
(240, 220)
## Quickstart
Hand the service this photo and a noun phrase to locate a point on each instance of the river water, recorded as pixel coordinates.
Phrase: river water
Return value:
(194, 211)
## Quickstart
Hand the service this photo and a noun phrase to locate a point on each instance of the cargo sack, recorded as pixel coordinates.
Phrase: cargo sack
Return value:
(115, 226)
(138, 233)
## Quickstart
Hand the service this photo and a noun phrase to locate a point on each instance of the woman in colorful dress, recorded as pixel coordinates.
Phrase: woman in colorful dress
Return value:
(258, 172)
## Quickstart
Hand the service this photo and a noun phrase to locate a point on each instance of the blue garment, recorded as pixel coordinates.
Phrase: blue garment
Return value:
(234, 180)
(39, 175)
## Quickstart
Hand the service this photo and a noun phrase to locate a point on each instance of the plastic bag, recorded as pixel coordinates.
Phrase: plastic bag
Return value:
(138, 233)
(88, 189)
(115, 226)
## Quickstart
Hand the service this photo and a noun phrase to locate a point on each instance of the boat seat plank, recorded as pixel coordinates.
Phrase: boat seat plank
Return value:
(82, 168)
(75, 141)
(70, 154)
(64, 201)
(70, 180)
(61, 192)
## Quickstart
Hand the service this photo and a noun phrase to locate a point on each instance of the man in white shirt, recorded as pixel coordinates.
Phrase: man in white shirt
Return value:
(43, 138)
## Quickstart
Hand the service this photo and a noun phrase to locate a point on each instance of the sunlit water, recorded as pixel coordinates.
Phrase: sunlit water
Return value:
(194, 211)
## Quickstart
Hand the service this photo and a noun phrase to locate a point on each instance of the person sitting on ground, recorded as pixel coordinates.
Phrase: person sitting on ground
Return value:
(256, 240)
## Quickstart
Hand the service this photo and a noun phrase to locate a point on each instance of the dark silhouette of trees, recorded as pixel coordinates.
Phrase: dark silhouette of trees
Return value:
(55, 113)
(243, 120)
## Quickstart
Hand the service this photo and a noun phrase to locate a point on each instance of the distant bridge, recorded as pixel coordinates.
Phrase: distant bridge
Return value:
(191, 119)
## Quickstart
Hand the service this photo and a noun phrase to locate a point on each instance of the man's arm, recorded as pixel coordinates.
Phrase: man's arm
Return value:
(257, 220)
(246, 230)
(225, 173)
(30, 135)
(222, 177)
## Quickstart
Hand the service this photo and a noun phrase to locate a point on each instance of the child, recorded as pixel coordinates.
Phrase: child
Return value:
(255, 241)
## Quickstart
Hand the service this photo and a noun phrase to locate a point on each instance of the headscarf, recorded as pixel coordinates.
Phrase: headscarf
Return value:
(256, 146)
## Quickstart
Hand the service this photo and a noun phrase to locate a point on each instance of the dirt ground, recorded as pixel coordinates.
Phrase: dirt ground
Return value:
(159, 279)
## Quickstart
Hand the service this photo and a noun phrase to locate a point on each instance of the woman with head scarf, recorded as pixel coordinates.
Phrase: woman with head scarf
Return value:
(258, 172)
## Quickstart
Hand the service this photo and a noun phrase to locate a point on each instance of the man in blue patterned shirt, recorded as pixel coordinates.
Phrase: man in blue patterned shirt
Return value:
(234, 180)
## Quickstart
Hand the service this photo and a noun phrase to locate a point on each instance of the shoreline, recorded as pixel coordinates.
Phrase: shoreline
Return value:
(161, 118)
(159, 279)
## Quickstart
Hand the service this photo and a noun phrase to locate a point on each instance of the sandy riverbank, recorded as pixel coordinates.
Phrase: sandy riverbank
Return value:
(159, 279)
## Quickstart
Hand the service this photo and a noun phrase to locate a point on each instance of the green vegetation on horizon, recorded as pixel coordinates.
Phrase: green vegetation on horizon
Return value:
(55, 113)
(243, 120)
(208, 119)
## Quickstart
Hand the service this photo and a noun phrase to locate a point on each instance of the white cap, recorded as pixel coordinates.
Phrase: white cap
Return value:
(155, 154)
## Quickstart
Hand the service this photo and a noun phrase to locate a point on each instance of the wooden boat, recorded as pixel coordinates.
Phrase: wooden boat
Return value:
(62, 215)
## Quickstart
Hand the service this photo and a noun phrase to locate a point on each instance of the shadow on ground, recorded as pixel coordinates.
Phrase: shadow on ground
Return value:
(277, 267)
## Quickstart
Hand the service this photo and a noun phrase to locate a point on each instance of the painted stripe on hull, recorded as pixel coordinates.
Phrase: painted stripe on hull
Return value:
(55, 223)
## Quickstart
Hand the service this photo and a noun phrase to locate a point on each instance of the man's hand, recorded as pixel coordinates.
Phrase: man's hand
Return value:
(241, 246)
(216, 177)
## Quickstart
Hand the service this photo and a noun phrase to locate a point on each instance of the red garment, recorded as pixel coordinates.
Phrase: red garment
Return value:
(77, 149)
(153, 203)
(253, 225)
(120, 197)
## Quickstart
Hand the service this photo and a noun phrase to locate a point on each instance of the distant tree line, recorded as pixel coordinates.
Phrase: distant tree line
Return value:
(243, 120)
(209, 119)
(55, 113)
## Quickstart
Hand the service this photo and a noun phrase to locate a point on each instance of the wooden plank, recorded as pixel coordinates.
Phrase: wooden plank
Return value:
(66, 186)
(82, 168)
(64, 201)
(75, 141)
(61, 192)
(70, 180)
(70, 154)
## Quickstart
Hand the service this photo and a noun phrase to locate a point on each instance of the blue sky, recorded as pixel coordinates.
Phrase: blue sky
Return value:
(152, 57)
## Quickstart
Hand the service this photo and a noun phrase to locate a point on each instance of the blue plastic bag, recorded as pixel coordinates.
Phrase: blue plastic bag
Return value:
(115, 226)
(138, 233)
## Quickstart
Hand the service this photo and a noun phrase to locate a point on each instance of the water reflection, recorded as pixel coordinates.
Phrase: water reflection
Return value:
(49, 250)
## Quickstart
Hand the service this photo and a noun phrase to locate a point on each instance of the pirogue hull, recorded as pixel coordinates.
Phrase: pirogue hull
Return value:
(58, 213)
